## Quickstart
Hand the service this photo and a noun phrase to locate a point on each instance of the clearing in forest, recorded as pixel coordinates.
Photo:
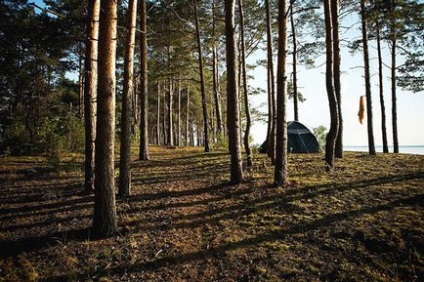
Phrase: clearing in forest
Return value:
(362, 222)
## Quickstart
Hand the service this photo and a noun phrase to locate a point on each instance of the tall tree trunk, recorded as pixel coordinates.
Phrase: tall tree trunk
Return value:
(332, 98)
(371, 145)
(81, 81)
(202, 83)
(188, 119)
(233, 110)
(215, 70)
(245, 91)
(271, 91)
(294, 58)
(170, 122)
(393, 79)
(158, 115)
(179, 114)
(394, 98)
(381, 89)
(125, 147)
(280, 175)
(105, 220)
(90, 89)
(144, 107)
(165, 117)
(338, 150)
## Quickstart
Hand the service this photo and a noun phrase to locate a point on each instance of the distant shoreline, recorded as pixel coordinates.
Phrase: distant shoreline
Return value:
(410, 149)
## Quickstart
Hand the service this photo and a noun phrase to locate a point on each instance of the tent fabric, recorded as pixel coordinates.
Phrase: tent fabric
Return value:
(300, 139)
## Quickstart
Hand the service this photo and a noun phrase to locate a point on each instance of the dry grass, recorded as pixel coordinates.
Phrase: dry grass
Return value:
(362, 222)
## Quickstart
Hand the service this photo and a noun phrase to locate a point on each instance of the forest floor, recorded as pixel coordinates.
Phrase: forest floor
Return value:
(362, 222)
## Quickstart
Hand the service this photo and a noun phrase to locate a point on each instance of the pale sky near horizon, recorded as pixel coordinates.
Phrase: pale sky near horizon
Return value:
(315, 110)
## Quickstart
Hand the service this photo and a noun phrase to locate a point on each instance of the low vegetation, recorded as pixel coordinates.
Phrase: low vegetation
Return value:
(362, 222)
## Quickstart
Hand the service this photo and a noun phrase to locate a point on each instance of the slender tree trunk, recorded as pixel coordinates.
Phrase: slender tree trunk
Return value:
(165, 120)
(371, 145)
(280, 175)
(393, 79)
(105, 220)
(134, 104)
(233, 111)
(158, 115)
(81, 81)
(271, 91)
(179, 114)
(294, 58)
(332, 98)
(215, 70)
(125, 146)
(90, 92)
(338, 150)
(245, 91)
(188, 119)
(144, 107)
(170, 123)
(202, 83)
(381, 89)
(394, 99)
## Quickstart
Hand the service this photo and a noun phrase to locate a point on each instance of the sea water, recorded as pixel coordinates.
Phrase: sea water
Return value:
(417, 150)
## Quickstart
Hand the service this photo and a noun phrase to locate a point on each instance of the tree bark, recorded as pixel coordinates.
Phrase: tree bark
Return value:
(188, 119)
(271, 88)
(170, 122)
(90, 89)
(245, 91)
(280, 175)
(371, 145)
(81, 81)
(233, 111)
(144, 107)
(338, 150)
(158, 141)
(202, 83)
(393, 80)
(165, 117)
(125, 146)
(179, 114)
(294, 58)
(105, 220)
(381, 89)
(332, 98)
(215, 70)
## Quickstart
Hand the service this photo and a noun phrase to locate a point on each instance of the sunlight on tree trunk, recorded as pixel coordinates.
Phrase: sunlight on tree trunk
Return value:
(245, 91)
(233, 110)
(144, 122)
(105, 220)
(125, 148)
(90, 92)
(338, 149)
(270, 144)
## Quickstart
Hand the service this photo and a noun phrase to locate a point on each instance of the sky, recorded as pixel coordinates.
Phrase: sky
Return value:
(314, 111)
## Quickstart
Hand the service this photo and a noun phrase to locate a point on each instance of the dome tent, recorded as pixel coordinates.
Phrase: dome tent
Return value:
(300, 139)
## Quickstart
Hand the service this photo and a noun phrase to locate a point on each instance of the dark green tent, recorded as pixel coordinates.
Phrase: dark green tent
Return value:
(300, 139)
